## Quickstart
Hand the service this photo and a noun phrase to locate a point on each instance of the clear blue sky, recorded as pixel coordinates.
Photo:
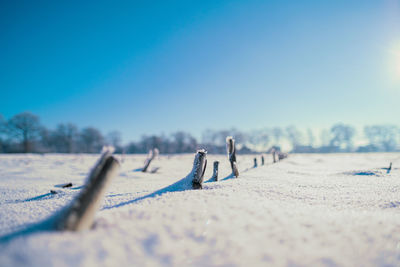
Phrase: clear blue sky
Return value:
(149, 67)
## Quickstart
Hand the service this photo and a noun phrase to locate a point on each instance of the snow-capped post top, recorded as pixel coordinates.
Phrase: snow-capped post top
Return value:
(230, 147)
(108, 149)
(199, 167)
(79, 215)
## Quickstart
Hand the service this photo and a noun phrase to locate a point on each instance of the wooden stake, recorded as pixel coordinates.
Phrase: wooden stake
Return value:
(79, 215)
(215, 171)
(199, 167)
(230, 146)
(390, 168)
(152, 154)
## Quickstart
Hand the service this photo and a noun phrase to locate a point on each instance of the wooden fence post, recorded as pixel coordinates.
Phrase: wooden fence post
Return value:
(230, 146)
(152, 154)
(215, 171)
(199, 167)
(79, 215)
(390, 168)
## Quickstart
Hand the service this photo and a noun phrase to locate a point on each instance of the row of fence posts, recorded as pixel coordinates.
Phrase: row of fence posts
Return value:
(276, 156)
(79, 215)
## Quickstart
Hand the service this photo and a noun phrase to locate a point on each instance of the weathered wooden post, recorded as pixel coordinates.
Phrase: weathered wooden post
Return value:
(215, 171)
(199, 167)
(79, 215)
(152, 154)
(230, 146)
(255, 162)
(262, 160)
(390, 168)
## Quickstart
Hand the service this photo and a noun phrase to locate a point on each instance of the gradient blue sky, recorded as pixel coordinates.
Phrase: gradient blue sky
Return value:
(147, 67)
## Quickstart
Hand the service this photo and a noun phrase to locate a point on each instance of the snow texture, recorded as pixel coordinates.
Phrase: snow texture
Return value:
(307, 210)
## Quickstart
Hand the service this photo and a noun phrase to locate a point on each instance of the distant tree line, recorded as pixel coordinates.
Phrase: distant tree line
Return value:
(23, 133)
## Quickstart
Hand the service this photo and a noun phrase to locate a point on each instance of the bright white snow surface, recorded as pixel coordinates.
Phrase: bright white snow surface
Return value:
(308, 210)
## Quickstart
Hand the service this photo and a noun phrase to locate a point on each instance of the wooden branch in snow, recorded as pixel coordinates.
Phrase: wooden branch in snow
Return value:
(152, 154)
(79, 215)
(66, 185)
(255, 162)
(215, 171)
(199, 167)
(230, 146)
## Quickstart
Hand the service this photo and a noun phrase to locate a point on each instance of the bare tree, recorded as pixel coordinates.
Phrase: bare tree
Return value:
(295, 137)
(342, 136)
(91, 140)
(2, 131)
(258, 140)
(184, 142)
(325, 137)
(114, 139)
(384, 137)
(278, 134)
(66, 138)
(2, 124)
(25, 127)
(149, 142)
(311, 137)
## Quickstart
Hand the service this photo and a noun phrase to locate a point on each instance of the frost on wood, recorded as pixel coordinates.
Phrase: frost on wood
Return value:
(79, 215)
(215, 171)
(230, 147)
(199, 167)
(152, 154)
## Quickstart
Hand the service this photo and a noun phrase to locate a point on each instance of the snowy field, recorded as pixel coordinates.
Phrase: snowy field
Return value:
(308, 210)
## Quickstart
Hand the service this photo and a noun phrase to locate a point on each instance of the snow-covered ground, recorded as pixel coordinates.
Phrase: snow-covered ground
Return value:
(308, 210)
